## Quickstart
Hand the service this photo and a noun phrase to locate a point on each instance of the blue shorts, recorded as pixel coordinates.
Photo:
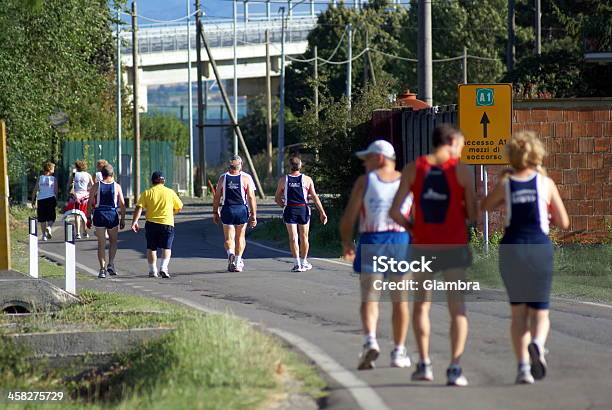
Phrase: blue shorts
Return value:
(391, 244)
(296, 215)
(105, 218)
(234, 214)
(159, 236)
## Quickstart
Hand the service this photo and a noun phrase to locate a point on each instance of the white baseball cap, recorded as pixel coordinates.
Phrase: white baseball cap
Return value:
(378, 147)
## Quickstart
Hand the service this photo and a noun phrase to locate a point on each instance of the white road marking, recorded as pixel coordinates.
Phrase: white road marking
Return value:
(289, 253)
(137, 286)
(365, 396)
(62, 258)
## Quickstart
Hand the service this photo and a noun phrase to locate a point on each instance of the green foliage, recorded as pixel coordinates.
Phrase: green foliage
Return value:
(165, 127)
(254, 124)
(53, 58)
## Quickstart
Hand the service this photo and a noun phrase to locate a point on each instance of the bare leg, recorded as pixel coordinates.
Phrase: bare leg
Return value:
(519, 331)
(43, 227)
(457, 311)
(304, 244)
(292, 230)
(229, 232)
(539, 321)
(369, 303)
(112, 249)
(240, 239)
(151, 257)
(101, 235)
(77, 223)
(420, 317)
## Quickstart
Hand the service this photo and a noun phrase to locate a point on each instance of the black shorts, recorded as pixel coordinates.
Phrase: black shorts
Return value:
(107, 218)
(159, 236)
(45, 209)
(299, 215)
(444, 257)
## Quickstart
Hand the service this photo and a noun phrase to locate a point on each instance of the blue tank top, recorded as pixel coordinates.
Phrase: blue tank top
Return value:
(106, 196)
(295, 194)
(527, 206)
(233, 194)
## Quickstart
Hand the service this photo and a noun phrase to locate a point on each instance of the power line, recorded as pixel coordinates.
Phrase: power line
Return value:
(161, 21)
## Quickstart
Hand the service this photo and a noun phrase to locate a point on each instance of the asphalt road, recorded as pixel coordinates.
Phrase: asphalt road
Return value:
(318, 311)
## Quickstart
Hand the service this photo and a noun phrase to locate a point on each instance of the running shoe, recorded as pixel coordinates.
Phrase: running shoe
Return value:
(231, 263)
(538, 362)
(306, 266)
(77, 236)
(111, 270)
(368, 355)
(164, 275)
(102, 273)
(455, 377)
(400, 358)
(297, 268)
(48, 232)
(153, 275)
(44, 237)
(239, 266)
(524, 376)
(86, 235)
(423, 372)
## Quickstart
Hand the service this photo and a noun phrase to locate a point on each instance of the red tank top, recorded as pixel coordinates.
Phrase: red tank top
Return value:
(439, 204)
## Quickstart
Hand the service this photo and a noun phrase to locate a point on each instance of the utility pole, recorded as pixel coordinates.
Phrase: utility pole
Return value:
(118, 74)
(465, 74)
(511, 30)
(370, 65)
(235, 87)
(349, 66)
(424, 52)
(135, 84)
(201, 119)
(190, 102)
(316, 80)
(538, 27)
(281, 111)
(268, 106)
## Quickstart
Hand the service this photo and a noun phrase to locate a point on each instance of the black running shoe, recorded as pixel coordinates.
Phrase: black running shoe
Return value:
(538, 362)
(110, 269)
(164, 275)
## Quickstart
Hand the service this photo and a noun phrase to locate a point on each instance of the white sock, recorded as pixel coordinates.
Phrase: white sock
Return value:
(400, 348)
(524, 367)
(370, 337)
(297, 261)
(304, 261)
(229, 252)
(539, 342)
(153, 267)
(238, 259)
(164, 265)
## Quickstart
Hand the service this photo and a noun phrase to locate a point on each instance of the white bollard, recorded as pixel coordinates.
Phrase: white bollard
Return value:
(33, 234)
(69, 239)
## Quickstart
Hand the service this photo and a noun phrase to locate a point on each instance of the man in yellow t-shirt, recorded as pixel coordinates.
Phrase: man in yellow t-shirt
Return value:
(161, 204)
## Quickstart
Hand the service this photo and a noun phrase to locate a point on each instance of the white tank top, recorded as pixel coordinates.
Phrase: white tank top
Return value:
(81, 181)
(46, 186)
(377, 201)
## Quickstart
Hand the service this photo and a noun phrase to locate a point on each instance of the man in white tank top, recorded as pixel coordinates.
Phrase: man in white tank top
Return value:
(370, 201)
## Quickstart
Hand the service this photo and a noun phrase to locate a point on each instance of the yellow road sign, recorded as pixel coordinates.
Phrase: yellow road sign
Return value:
(485, 117)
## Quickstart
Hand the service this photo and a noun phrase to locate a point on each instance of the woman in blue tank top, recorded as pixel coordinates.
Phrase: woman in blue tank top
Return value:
(532, 201)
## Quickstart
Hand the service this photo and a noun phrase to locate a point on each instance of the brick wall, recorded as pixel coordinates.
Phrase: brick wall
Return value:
(577, 136)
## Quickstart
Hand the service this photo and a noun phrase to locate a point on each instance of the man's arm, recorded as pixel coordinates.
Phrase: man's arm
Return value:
(136, 217)
(558, 212)
(93, 192)
(408, 175)
(252, 205)
(465, 178)
(121, 200)
(317, 201)
(279, 197)
(35, 191)
(495, 197)
(217, 198)
(178, 204)
(349, 218)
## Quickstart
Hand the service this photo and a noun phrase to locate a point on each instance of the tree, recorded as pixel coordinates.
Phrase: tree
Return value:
(165, 127)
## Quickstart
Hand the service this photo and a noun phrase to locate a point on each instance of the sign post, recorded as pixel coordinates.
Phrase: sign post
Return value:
(69, 238)
(33, 236)
(485, 118)
(5, 236)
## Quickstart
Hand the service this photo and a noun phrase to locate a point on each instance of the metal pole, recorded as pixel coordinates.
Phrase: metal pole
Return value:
(118, 74)
(246, 17)
(511, 29)
(281, 111)
(424, 52)
(190, 102)
(268, 15)
(465, 65)
(485, 179)
(201, 119)
(135, 84)
(349, 66)
(312, 8)
(538, 26)
(235, 140)
(268, 106)
(289, 10)
(316, 80)
(232, 116)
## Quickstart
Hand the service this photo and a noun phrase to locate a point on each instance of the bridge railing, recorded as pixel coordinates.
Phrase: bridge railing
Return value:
(161, 38)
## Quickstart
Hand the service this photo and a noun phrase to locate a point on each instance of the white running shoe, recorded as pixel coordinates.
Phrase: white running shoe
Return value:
(44, 237)
(86, 235)
(48, 232)
(153, 275)
(231, 262)
(423, 372)
(524, 376)
(77, 236)
(297, 268)
(306, 266)
(400, 358)
(538, 362)
(368, 355)
(239, 267)
(455, 377)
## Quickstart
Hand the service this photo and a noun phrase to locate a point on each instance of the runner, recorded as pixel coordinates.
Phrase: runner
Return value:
(101, 163)
(292, 194)
(444, 198)
(370, 201)
(44, 196)
(525, 253)
(105, 196)
(234, 191)
(80, 183)
(161, 203)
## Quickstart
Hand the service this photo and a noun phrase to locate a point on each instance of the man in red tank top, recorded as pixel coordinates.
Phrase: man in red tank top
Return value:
(444, 203)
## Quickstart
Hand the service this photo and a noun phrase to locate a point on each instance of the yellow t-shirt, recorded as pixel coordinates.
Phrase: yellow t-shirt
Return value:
(161, 203)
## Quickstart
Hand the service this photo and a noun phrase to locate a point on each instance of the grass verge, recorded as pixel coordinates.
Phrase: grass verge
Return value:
(208, 362)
